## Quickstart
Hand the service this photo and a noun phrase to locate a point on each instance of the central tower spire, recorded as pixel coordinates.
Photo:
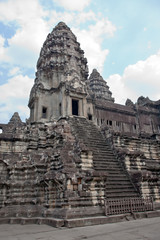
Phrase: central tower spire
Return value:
(61, 76)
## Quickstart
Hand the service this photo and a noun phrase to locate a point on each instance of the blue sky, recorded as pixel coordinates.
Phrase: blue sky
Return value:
(121, 38)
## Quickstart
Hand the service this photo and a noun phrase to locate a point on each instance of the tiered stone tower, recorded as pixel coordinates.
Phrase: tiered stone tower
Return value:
(62, 71)
(98, 88)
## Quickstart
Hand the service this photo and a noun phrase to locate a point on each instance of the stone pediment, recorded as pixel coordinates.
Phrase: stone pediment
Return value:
(76, 85)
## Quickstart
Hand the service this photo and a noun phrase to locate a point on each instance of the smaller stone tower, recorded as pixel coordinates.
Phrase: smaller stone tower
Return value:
(98, 88)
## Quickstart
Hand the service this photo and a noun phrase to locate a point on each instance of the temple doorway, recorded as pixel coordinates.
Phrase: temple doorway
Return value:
(74, 107)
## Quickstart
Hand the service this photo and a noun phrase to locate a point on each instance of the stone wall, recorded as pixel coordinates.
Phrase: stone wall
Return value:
(135, 119)
(139, 155)
(44, 173)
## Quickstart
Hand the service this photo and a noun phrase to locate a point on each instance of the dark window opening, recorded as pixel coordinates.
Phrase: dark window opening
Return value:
(74, 107)
(79, 180)
(44, 112)
(89, 116)
(110, 123)
(60, 109)
(135, 127)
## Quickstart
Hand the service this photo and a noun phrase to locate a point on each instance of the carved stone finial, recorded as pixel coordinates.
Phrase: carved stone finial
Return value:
(15, 119)
(61, 25)
(129, 103)
(142, 100)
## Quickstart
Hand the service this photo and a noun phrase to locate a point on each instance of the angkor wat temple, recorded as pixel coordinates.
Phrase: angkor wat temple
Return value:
(79, 148)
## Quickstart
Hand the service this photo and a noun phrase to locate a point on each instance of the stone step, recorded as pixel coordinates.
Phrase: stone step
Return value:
(116, 182)
(122, 196)
(106, 159)
(110, 160)
(124, 190)
(99, 144)
(92, 139)
(109, 169)
(104, 155)
(106, 162)
(107, 166)
(102, 149)
(127, 189)
(121, 193)
(102, 160)
(114, 178)
(118, 185)
(116, 190)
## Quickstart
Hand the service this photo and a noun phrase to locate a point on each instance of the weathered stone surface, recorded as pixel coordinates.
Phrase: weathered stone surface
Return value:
(78, 147)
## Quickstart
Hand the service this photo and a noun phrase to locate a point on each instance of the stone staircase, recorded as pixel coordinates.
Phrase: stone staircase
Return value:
(118, 183)
(142, 157)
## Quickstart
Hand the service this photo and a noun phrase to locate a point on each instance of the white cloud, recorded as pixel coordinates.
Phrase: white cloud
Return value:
(92, 48)
(25, 45)
(14, 97)
(91, 40)
(142, 78)
(14, 71)
(3, 52)
(71, 18)
(103, 27)
(73, 5)
(82, 17)
(32, 29)
(18, 87)
(20, 10)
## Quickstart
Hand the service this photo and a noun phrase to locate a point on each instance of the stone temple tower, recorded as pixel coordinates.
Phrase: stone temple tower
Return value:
(81, 156)
(60, 85)
(98, 88)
